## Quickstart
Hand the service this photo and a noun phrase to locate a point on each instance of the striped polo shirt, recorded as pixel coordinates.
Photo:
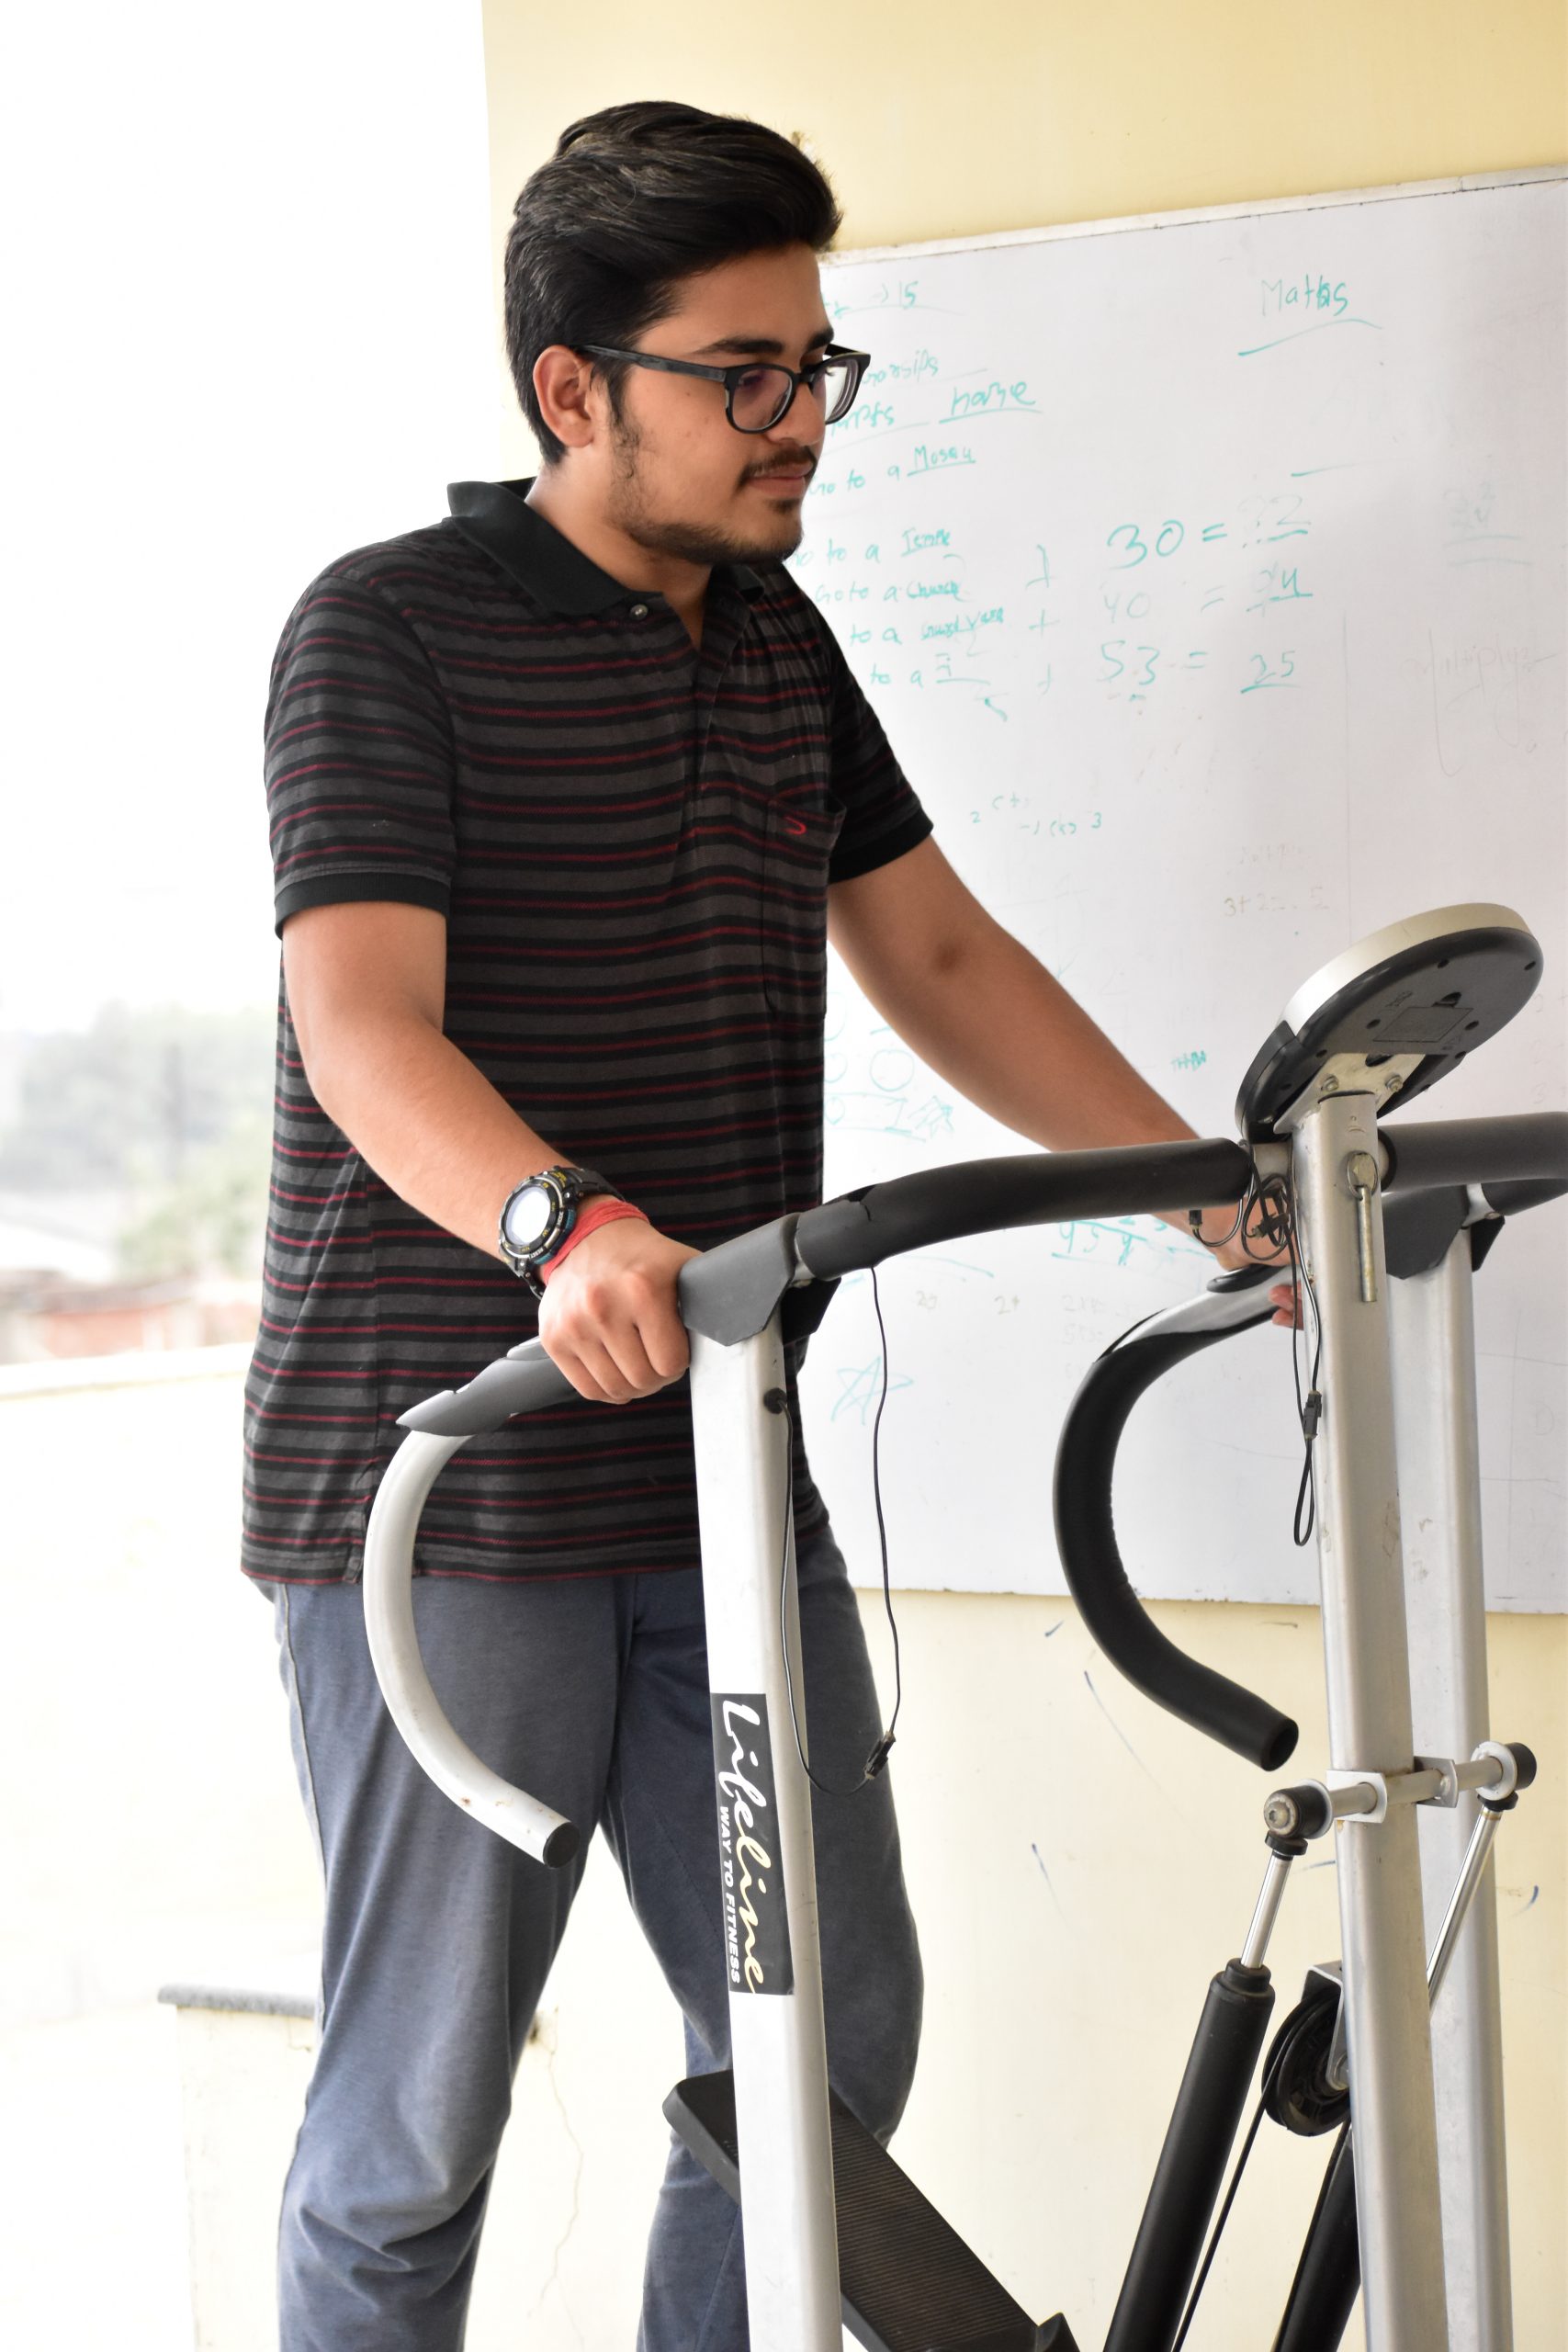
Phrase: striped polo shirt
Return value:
(630, 839)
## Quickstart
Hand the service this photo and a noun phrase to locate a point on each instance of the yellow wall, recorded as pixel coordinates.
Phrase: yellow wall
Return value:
(933, 118)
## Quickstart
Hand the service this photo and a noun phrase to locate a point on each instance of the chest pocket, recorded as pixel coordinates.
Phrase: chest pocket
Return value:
(801, 830)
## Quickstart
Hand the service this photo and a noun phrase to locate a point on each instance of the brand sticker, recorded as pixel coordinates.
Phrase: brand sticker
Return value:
(756, 1924)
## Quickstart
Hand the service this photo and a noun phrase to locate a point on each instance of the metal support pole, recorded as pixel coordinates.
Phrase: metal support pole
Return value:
(1477, 1857)
(1270, 1895)
(1367, 1667)
(765, 1858)
(1439, 1474)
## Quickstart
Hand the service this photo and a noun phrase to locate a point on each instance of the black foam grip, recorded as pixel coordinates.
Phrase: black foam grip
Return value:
(862, 1228)
(1512, 1200)
(1091, 1560)
(1525, 1147)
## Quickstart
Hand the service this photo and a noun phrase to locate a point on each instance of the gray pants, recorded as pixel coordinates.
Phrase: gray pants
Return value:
(591, 1692)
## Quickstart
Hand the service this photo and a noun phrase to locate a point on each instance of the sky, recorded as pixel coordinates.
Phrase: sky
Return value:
(251, 268)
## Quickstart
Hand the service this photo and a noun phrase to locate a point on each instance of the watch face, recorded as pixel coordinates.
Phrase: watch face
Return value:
(528, 1216)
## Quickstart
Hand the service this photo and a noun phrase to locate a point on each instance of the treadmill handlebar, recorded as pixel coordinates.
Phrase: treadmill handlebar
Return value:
(730, 1291)
(907, 1213)
(860, 1230)
(1086, 1530)
(1513, 1199)
(525, 1380)
(1527, 1147)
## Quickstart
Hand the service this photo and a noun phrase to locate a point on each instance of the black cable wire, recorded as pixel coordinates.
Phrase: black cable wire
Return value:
(878, 1756)
(1265, 1196)
(1309, 1410)
(1275, 1200)
(1258, 1195)
(1277, 1226)
(1235, 1225)
(1292, 2303)
(1214, 2246)
(1274, 2064)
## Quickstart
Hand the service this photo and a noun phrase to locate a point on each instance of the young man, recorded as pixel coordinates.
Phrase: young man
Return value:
(567, 790)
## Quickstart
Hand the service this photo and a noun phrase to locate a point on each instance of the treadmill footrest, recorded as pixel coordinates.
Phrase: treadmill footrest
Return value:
(908, 2281)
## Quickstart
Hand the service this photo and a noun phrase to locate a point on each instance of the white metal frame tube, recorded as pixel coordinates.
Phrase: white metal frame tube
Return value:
(1439, 1478)
(413, 1706)
(763, 1797)
(1367, 1667)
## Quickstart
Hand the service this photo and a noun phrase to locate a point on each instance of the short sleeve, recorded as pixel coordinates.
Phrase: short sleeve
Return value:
(882, 817)
(359, 757)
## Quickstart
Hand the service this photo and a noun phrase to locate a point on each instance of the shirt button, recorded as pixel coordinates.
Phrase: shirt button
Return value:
(639, 612)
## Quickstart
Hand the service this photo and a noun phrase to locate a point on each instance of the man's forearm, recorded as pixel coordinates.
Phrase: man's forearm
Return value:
(997, 1026)
(430, 1125)
(994, 1024)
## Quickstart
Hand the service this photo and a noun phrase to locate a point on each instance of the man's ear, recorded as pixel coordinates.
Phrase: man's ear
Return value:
(570, 395)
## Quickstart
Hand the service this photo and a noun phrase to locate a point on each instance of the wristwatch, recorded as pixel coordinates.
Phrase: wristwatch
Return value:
(537, 1216)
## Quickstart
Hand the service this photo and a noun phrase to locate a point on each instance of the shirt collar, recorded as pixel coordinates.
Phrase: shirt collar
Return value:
(494, 515)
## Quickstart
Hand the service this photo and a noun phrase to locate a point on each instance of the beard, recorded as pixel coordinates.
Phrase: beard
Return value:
(696, 542)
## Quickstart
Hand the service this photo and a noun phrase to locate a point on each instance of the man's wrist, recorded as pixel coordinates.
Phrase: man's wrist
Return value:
(593, 1213)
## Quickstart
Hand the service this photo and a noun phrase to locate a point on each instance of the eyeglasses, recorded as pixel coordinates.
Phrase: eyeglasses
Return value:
(756, 396)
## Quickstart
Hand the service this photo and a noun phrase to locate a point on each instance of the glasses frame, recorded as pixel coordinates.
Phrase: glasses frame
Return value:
(730, 376)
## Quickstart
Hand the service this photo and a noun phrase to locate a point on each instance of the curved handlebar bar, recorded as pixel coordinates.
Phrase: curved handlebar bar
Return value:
(413, 1706)
(1418, 1228)
(1085, 1533)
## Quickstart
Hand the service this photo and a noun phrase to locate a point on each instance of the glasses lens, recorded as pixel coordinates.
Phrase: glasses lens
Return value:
(841, 383)
(761, 395)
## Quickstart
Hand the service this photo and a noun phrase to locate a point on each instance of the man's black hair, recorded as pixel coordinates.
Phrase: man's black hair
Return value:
(634, 199)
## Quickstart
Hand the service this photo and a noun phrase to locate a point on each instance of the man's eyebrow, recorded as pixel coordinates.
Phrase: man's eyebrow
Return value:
(744, 345)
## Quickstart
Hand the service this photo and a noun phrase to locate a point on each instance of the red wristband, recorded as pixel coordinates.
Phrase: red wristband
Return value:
(594, 1211)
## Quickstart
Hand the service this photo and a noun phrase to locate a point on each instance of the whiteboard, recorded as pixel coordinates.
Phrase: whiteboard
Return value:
(1207, 573)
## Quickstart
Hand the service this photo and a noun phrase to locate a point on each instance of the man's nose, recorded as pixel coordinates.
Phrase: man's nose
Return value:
(801, 422)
